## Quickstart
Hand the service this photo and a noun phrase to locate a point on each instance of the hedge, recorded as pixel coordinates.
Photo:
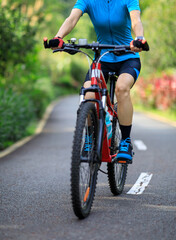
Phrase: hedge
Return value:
(16, 112)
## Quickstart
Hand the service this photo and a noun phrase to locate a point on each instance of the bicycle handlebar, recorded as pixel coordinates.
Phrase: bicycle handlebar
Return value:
(73, 48)
(94, 45)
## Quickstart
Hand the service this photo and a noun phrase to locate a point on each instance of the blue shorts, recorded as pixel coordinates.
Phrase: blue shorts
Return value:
(131, 66)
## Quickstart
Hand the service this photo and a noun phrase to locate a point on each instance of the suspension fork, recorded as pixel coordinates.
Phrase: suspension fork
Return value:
(101, 114)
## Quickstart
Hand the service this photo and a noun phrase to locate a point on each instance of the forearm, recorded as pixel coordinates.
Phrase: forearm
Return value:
(136, 23)
(66, 28)
(138, 28)
(69, 23)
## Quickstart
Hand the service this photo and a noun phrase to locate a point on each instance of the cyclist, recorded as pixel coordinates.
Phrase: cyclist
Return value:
(112, 20)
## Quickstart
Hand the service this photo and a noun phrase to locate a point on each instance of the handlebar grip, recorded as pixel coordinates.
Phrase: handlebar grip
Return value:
(45, 42)
(141, 44)
(54, 43)
(145, 46)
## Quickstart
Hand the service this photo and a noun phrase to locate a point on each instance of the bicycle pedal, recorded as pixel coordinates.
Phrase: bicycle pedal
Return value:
(122, 161)
(125, 161)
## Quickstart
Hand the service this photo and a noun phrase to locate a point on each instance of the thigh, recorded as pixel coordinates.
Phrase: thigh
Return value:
(131, 67)
(125, 82)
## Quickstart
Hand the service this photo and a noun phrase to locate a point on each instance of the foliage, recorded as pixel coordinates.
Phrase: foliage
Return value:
(157, 92)
(144, 4)
(21, 98)
(159, 25)
(18, 28)
(157, 86)
(16, 112)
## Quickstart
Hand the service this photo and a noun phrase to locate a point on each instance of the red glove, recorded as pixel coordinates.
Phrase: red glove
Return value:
(56, 42)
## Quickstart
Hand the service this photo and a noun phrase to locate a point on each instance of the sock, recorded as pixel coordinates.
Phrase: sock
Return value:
(125, 130)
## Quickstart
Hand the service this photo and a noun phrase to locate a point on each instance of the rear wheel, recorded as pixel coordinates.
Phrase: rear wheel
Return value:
(84, 167)
(116, 172)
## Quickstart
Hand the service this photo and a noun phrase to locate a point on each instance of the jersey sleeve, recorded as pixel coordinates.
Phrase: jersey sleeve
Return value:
(133, 5)
(82, 5)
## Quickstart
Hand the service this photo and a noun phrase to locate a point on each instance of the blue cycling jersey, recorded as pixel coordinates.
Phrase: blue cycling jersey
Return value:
(112, 23)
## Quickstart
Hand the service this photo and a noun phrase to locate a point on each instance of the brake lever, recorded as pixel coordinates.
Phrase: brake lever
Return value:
(66, 49)
(121, 51)
(129, 51)
(58, 50)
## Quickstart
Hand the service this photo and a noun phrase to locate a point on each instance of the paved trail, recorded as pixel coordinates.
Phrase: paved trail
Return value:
(35, 187)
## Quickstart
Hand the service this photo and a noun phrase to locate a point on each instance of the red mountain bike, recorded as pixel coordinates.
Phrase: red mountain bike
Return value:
(91, 144)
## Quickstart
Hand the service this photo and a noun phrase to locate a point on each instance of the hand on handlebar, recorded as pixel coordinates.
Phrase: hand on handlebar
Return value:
(58, 43)
(55, 43)
(139, 45)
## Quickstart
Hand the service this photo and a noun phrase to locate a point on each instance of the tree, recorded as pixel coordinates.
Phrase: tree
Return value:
(160, 31)
(18, 28)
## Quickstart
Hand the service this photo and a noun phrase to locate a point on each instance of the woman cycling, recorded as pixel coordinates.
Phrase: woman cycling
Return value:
(112, 20)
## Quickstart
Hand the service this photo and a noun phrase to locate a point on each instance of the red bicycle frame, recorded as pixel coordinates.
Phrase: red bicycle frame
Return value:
(102, 99)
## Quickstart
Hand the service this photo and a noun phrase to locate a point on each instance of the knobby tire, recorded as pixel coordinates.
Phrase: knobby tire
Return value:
(82, 190)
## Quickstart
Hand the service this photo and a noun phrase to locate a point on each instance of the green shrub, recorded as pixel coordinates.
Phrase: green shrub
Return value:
(40, 100)
(16, 112)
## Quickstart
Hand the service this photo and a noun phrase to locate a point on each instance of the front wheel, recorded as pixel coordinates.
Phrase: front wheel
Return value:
(84, 166)
(116, 172)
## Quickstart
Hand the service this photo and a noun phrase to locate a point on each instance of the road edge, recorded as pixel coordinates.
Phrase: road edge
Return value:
(38, 130)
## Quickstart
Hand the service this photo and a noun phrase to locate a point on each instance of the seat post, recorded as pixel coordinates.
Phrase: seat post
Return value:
(113, 80)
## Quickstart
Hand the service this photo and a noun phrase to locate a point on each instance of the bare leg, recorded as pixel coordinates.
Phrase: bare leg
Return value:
(125, 114)
(122, 91)
(89, 95)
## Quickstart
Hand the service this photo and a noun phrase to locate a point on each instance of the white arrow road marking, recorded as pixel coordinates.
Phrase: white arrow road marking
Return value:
(141, 184)
(140, 145)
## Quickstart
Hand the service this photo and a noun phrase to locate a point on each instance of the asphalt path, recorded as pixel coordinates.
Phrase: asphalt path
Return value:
(35, 200)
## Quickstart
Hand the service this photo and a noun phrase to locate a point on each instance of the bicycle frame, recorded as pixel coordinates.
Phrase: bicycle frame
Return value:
(102, 99)
(99, 87)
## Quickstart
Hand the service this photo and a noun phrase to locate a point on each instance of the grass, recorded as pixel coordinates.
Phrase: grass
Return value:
(32, 128)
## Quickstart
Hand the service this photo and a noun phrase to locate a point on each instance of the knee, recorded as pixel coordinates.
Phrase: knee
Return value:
(122, 91)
